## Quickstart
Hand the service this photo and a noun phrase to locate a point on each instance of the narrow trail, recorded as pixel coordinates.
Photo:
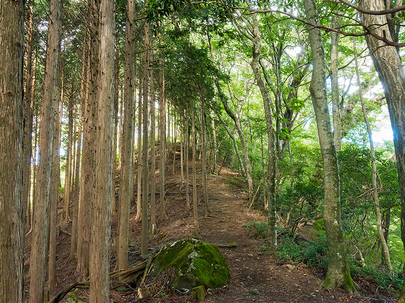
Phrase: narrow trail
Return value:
(254, 275)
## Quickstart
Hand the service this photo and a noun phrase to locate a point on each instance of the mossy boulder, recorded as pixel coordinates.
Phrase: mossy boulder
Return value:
(196, 263)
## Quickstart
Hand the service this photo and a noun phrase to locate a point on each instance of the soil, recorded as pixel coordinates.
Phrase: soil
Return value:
(254, 275)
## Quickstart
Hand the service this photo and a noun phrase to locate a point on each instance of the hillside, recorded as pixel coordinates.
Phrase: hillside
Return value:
(254, 275)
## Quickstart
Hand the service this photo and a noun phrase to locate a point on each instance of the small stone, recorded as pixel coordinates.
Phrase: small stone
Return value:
(254, 292)
(290, 267)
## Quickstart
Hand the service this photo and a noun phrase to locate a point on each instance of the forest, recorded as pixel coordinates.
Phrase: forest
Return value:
(281, 120)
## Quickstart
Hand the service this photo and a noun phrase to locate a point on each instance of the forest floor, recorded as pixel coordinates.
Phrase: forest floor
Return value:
(254, 275)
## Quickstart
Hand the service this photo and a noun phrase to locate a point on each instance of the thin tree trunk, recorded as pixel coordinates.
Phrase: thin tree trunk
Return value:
(11, 151)
(338, 274)
(195, 206)
(265, 205)
(35, 170)
(153, 154)
(373, 165)
(174, 145)
(53, 218)
(40, 230)
(204, 161)
(186, 118)
(75, 209)
(337, 124)
(126, 172)
(145, 147)
(162, 134)
(101, 208)
(68, 165)
(139, 179)
(215, 144)
(115, 144)
(182, 159)
(73, 161)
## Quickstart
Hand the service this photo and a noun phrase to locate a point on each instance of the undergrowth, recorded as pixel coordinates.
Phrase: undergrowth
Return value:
(295, 249)
(314, 254)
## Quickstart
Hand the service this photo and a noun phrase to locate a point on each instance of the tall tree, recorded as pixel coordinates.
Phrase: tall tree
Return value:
(41, 220)
(153, 152)
(54, 195)
(126, 177)
(338, 274)
(162, 131)
(11, 138)
(89, 129)
(390, 71)
(145, 143)
(101, 208)
(69, 157)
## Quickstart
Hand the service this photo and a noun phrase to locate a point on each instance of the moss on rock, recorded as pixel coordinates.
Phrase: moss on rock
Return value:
(196, 263)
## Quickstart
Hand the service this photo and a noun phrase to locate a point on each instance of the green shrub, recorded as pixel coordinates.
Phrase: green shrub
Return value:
(384, 279)
(260, 229)
(313, 253)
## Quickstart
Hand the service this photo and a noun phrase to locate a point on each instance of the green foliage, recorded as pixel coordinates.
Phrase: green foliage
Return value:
(312, 253)
(260, 229)
(384, 279)
(358, 208)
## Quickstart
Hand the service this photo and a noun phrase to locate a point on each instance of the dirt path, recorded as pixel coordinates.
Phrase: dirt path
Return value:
(255, 276)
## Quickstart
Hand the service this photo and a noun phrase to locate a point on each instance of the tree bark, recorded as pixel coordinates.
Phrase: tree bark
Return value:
(145, 146)
(126, 172)
(204, 161)
(11, 150)
(139, 179)
(53, 218)
(89, 130)
(195, 206)
(162, 133)
(76, 189)
(214, 144)
(116, 139)
(186, 119)
(337, 124)
(40, 229)
(153, 153)
(101, 208)
(338, 274)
